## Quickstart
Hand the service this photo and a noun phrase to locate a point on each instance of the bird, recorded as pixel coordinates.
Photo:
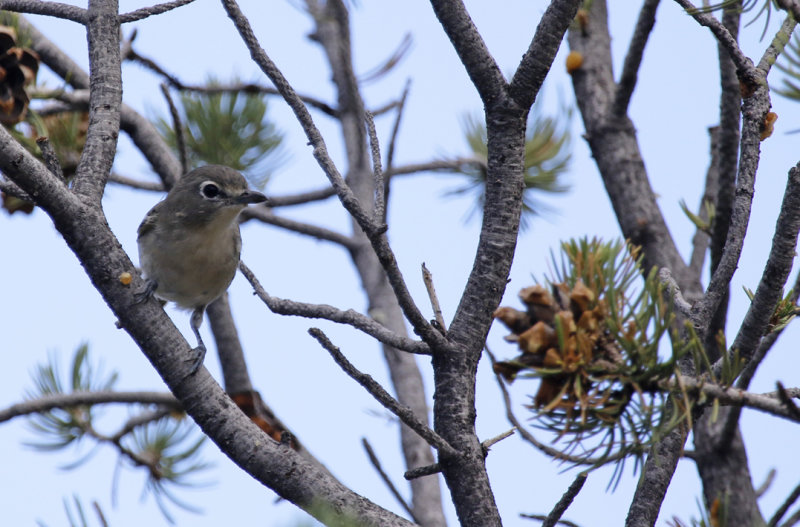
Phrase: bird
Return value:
(190, 244)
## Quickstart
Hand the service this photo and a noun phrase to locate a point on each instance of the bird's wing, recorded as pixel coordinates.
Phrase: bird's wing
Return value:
(149, 221)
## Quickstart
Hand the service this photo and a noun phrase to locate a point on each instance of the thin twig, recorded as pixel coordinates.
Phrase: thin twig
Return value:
(387, 178)
(141, 420)
(153, 186)
(489, 443)
(450, 165)
(680, 304)
(419, 472)
(301, 198)
(565, 501)
(177, 126)
(50, 157)
(145, 12)
(767, 483)
(376, 464)
(349, 317)
(379, 211)
(427, 277)
(786, 398)
(633, 60)
(542, 517)
(405, 414)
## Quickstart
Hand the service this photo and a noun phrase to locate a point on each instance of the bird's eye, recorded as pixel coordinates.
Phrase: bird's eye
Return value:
(209, 190)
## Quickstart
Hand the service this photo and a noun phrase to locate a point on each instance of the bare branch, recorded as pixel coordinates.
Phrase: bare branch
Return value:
(301, 198)
(405, 414)
(145, 12)
(565, 501)
(141, 420)
(152, 186)
(468, 43)
(427, 277)
(633, 60)
(349, 317)
(785, 396)
(177, 127)
(54, 9)
(767, 483)
(682, 306)
(489, 443)
(66, 400)
(379, 208)
(451, 165)
(49, 157)
(536, 63)
(105, 104)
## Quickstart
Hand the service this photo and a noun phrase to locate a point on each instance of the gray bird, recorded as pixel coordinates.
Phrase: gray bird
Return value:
(189, 243)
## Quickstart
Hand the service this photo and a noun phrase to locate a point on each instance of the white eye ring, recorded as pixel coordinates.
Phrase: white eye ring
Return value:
(210, 190)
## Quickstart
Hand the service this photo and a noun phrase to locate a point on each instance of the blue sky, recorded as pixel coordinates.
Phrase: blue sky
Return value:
(49, 306)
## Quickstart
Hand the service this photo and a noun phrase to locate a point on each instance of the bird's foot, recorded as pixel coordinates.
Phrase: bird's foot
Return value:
(199, 354)
(149, 291)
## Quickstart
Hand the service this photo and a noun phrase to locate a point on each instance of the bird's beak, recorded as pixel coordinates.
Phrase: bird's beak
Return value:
(250, 196)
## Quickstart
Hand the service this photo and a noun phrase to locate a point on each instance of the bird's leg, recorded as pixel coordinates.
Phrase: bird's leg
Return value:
(200, 350)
